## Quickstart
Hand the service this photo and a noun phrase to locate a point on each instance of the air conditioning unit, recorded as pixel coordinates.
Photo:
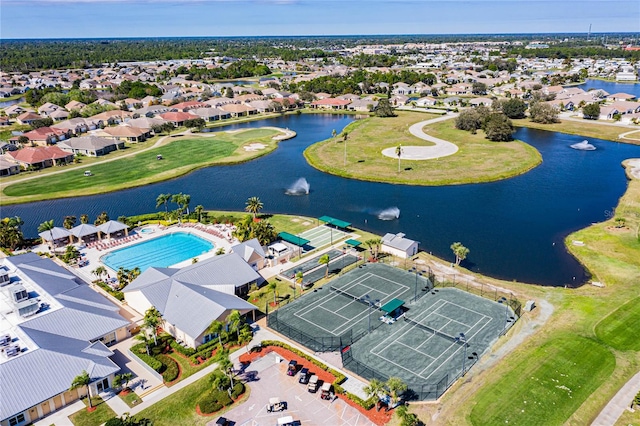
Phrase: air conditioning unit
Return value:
(12, 350)
(5, 339)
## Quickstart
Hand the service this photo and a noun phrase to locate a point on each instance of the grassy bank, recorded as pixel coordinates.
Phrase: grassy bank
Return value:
(478, 159)
(587, 128)
(181, 156)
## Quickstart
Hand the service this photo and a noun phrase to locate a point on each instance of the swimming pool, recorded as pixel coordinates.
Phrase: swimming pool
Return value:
(161, 252)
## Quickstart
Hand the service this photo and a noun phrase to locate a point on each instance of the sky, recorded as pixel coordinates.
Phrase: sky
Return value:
(171, 18)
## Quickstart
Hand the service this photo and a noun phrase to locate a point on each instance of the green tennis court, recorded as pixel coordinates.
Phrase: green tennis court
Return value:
(321, 236)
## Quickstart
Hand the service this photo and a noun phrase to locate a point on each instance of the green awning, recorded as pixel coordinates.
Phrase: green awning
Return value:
(353, 243)
(293, 239)
(335, 222)
(392, 305)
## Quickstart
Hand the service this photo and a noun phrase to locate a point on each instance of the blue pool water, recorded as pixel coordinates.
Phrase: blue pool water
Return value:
(160, 252)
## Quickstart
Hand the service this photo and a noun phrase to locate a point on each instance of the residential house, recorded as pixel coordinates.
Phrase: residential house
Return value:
(364, 105)
(210, 114)
(92, 146)
(480, 101)
(58, 328)
(59, 115)
(425, 101)
(27, 118)
(177, 118)
(562, 104)
(398, 245)
(115, 116)
(239, 110)
(191, 298)
(44, 136)
(402, 89)
(47, 108)
(330, 103)
(78, 125)
(40, 157)
(77, 105)
(399, 100)
(620, 97)
(145, 122)
(127, 133)
(8, 166)
(189, 105)
(15, 110)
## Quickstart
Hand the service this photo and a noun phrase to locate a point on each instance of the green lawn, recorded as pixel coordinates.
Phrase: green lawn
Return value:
(282, 222)
(185, 366)
(131, 399)
(588, 128)
(547, 385)
(181, 156)
(102, 413)
(180, 407)
(478, 159)
(620, 329)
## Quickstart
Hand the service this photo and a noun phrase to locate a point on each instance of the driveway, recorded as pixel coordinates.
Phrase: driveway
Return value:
(270, 380)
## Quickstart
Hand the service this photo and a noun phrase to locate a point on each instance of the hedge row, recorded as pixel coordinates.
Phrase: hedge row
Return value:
(182, 349)
(151, 362)
(171, 369)
(204, 351)
(215, 400)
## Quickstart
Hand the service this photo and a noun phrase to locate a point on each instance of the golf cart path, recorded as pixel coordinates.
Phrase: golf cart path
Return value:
(441, 148)
(620, 402)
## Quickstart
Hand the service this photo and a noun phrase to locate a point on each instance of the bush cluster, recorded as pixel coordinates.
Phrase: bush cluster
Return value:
(182, 349)
(115, 293)
(170, 368)
(204, 351)
(215, 400)
(150, 361)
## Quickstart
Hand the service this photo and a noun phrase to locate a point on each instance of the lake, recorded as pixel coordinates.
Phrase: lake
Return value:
(514, 228)
(611, 87)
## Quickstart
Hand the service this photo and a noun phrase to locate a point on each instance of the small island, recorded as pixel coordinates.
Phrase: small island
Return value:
(477, 159)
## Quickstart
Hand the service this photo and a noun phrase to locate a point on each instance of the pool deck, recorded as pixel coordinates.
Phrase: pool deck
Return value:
(93, 255)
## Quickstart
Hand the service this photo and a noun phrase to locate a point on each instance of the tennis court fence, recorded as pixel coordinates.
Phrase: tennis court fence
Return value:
(416, 391)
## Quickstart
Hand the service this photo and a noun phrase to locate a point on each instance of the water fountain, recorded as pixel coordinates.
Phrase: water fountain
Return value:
(391, 213)
(583, 146)
(299, 187)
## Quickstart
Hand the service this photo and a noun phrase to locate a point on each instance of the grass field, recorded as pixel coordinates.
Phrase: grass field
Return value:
(620, 329)
(551, 384)
(182, 155)
(478, 159)
(95, 418)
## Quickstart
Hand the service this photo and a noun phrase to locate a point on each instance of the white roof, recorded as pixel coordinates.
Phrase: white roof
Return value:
(112, 226)
(84, 229)
(57, 233)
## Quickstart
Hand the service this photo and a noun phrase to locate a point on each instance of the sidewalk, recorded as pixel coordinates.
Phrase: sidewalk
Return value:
(620, 402)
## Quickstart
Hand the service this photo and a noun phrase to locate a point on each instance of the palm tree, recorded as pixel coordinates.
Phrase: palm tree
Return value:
(198, 210)
(253, 205)
(395, 386)
(99, 271)
(82, 380)
(460, 251)
(234, 319)
(142, 337)
(84, 218)
(216, 327)
(69, 222)
(47, 226)
(245, 336)
(163, 199)
(273, 286)
(374, 389)
(186, 199)
(152, 319)
(225, 364)
(324, 260)
(399, 154)
(374, 246)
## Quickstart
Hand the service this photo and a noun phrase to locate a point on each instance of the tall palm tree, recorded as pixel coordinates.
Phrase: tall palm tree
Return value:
(375, 388)
(395, 386)
(273, 286)
(82, 380)
(99, 271)
(198, 210)
(84, 218)
(254, 205)
(47, 226)
(69, 222)
(163, 199)
(324, 260)
(245, 337)
(399, 154)
(234, 319)
(216, 327)
(142, 337)
(225, 364)
(186, 199)
(152, 319)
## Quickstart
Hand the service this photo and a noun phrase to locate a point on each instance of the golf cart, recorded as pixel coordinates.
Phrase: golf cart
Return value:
(304, 376)
(325, 390)
(313, 384)
(285, 421)
(293, 368)
(275, 405)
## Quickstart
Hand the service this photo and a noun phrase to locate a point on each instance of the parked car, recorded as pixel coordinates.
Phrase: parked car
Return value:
(293, 368)
(304, 376)
(313, 384)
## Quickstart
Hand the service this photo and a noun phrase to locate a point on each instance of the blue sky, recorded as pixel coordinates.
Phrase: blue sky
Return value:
(149, 18)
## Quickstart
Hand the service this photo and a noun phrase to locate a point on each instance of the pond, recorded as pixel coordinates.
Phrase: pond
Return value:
(611, 87)
(514, 228)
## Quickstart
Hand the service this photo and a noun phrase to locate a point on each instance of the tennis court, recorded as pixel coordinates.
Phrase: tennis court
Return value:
(426, 345)
(341, 308)
(321, 236)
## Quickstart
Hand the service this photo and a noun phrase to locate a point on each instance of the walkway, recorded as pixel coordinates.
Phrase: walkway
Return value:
(441, 148)
(620, 402)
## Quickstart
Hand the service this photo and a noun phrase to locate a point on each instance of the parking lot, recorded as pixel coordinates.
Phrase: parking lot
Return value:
(269, 379)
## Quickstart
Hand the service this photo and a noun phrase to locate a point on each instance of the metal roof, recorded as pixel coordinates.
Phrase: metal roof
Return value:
(335, 222)
(353, 243)
(57, 233)
(112, 226)
(293, 239)
(84, 229)
(392, 305)
(397, 241)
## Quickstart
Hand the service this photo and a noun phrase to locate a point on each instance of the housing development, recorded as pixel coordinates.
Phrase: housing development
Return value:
(394, 230)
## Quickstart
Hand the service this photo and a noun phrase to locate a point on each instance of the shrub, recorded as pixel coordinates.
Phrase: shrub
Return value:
(171, 369)
(238, 389)
(183, 350)
(151, 362)
(208, 404)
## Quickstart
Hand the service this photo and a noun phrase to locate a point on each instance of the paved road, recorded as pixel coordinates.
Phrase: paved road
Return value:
(441, 148)
(614, 409)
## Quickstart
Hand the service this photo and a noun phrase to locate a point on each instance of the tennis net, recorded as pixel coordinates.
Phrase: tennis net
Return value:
(432, 330)
(351, 296)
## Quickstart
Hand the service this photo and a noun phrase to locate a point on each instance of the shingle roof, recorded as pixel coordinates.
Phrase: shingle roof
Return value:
(87, 142)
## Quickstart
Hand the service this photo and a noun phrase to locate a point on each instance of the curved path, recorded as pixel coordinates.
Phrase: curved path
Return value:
(441, 148)
(620, 402)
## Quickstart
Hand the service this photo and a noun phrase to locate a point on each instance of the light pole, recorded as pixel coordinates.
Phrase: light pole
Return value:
(415, 289)
(370, 302)
(463, 339)
(344, 254)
